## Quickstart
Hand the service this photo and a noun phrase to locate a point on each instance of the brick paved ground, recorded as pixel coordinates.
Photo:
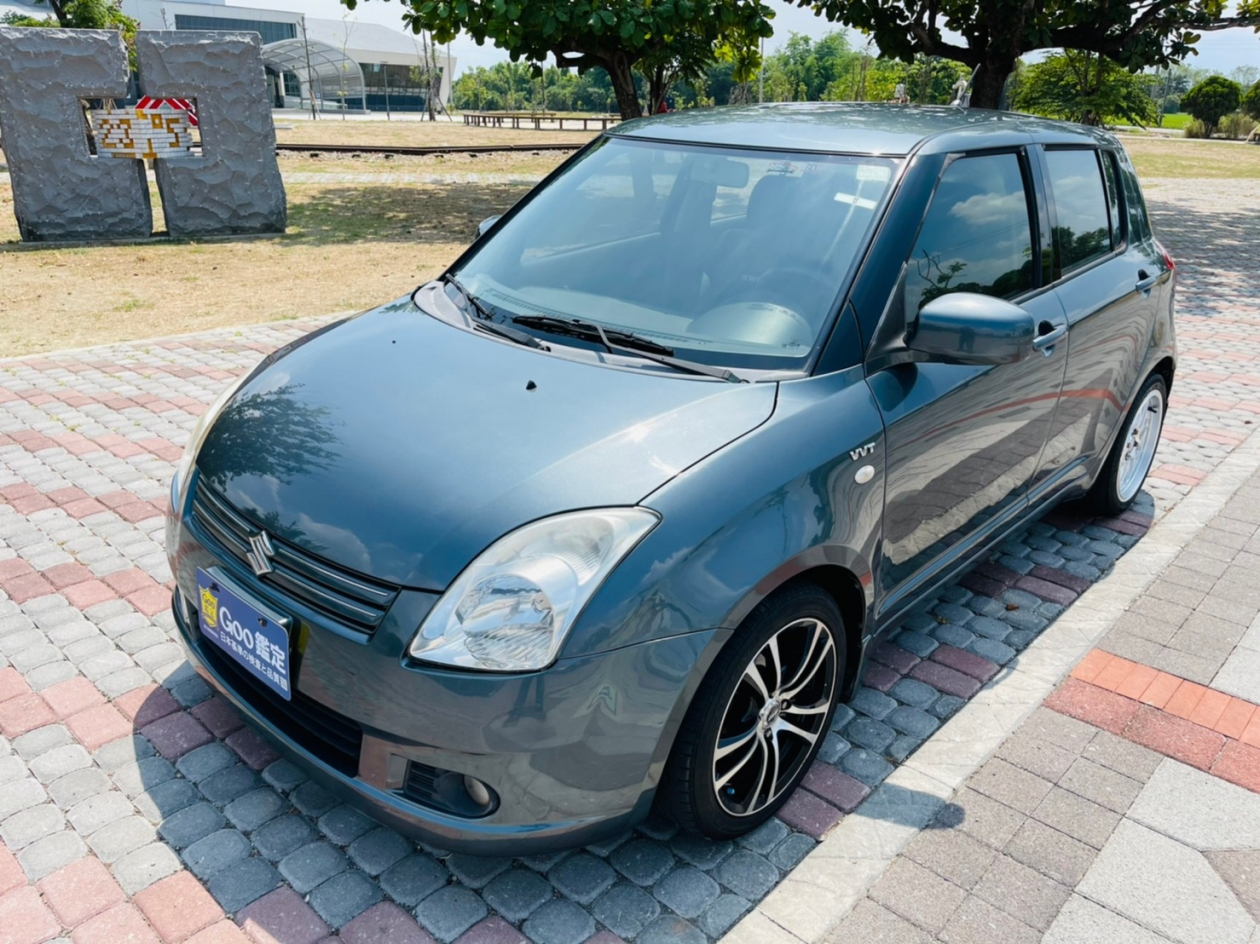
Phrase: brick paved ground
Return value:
(1128, 807)
(124, 779)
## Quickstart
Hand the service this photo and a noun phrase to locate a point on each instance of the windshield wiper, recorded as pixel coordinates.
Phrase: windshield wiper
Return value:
(505, 331)
(469, 298)
(625, 343)
(589, 331)
(485, 321)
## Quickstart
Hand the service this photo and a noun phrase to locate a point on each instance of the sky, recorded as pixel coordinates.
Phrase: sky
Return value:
(1223, 51)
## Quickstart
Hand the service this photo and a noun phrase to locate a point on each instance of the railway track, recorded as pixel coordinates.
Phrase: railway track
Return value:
(424, 151)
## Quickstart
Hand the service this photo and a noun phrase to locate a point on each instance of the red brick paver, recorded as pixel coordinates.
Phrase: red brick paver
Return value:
(178, 907)
(81, 890)
(24, 919)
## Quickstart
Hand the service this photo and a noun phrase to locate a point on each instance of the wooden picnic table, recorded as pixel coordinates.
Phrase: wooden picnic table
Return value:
(519, 119)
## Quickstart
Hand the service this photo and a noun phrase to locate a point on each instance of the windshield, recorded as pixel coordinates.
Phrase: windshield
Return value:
(724, 256)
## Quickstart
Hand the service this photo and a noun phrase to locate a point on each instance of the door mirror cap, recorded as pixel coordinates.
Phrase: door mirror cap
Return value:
(484, 226)
(966, 328)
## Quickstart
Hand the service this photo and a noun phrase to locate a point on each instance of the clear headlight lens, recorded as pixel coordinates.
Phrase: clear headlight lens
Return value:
(512, 607)
(183, 470)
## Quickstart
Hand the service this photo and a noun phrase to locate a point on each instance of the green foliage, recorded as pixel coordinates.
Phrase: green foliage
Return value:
(1212, 99)
(1196, 129)
(1236, 126)
(14, 18)
(514, 86)
(1083, 87)
(1251, 102)
(681, 36)
(995, 33)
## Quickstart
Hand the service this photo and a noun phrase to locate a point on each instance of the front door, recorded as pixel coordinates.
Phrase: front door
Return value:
(963, 442)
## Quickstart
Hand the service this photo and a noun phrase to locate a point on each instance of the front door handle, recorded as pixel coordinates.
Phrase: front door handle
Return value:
(1049, 335)
(1146, 282)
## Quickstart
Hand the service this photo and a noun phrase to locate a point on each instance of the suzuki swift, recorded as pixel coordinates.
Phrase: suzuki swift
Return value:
(610, 514)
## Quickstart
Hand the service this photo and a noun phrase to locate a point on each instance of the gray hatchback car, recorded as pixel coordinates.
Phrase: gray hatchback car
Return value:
(610, 515)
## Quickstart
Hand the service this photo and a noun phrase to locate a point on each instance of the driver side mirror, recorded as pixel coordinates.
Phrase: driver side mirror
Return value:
(967, 328)
(484, 226)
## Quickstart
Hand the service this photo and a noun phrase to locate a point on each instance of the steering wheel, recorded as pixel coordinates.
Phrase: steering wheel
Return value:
(787, 286)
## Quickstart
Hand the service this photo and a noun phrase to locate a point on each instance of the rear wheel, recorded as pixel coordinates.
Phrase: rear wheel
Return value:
(759, 717)
(1133, 452)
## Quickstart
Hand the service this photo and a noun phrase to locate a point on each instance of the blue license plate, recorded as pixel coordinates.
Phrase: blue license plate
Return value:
(251, 634)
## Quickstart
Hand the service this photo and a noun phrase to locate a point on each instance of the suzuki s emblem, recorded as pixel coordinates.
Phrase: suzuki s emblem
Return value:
(260, 553)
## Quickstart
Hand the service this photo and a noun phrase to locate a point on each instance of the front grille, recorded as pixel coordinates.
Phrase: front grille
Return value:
(332, 737)
(352, 600)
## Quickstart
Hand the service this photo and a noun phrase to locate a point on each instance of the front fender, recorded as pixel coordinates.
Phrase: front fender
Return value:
(777, 502)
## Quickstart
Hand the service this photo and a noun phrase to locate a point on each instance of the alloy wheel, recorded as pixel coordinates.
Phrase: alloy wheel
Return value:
(1140, 441)
(774, 717)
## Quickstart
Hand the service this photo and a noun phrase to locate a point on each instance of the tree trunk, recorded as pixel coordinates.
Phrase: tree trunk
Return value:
(622, 78)
(986, 90)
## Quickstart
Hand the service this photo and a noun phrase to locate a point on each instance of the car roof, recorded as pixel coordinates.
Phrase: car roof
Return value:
(855, 128)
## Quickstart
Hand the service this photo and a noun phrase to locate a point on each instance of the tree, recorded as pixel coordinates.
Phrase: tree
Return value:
(994, 33)
(90, 14)
(1211, 100)
(1084, 87)
(1251, 102)
(614, 35)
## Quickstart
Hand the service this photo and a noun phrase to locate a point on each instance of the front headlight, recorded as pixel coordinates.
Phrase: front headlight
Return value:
(183, 470)
(512, 607)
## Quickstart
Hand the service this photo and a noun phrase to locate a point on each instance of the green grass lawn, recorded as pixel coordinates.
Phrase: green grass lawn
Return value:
(1177, 121)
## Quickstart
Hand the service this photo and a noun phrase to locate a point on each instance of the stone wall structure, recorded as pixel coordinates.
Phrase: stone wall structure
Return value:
(63, 192)
(60, 190)
(234, 187)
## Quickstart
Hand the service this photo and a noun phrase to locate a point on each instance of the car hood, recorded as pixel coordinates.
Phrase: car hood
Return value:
(400, 446)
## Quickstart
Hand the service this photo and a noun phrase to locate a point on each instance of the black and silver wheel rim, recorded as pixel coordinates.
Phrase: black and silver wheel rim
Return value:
(774, 717)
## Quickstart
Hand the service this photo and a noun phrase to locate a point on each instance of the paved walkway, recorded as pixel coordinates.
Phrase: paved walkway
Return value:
(134, 802)
(1127, 809)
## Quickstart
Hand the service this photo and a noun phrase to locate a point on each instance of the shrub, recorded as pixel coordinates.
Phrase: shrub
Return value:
(1196, 129)
(1237, 126)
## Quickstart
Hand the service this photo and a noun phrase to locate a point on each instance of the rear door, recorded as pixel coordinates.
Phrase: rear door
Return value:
(1105, 271)
(963, 442)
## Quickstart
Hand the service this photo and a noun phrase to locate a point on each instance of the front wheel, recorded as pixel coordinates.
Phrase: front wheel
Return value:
(759, 717)
(1134, 451)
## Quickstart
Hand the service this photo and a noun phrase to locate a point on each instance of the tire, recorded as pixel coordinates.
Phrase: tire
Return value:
(808, 632)
(1121, 478)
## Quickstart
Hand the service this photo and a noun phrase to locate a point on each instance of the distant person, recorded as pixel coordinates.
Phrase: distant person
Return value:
(899, 94)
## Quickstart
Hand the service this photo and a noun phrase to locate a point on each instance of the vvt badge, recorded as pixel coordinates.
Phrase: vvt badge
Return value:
(246, 630)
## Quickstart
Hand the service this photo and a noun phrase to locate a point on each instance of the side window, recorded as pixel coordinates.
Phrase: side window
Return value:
(1083, 231)
(976, 236)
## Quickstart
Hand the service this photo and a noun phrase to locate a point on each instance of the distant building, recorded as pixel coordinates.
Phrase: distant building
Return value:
(340, 63)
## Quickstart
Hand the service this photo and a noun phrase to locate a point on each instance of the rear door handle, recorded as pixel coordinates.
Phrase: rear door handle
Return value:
(1146, 282)
(1049, 336)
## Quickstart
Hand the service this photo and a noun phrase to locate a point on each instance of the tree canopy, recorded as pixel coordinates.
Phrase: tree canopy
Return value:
(1251, 102)
(1083, 87)
(1212, 99)
(678, 37)
(994, 33)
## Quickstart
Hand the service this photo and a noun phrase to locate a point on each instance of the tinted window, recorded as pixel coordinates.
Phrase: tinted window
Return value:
(723, 255)
(976, 236)
(1082, 232)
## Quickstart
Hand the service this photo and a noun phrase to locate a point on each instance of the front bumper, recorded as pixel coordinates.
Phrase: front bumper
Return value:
(572, 753)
